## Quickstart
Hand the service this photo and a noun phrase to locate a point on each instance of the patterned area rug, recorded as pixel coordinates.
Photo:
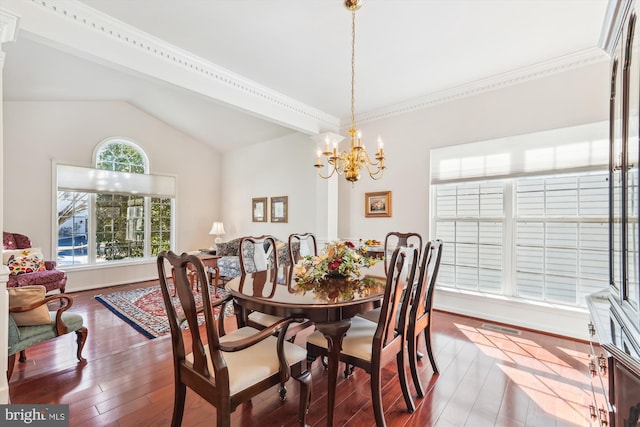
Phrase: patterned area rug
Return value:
(144, 308)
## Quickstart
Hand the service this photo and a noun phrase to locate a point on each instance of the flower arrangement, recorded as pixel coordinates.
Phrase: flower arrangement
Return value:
(339, 259)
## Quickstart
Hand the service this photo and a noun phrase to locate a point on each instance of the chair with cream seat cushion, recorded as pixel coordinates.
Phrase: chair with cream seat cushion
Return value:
(420, 312)
(257, 257)
(224, 369)
(371, 346)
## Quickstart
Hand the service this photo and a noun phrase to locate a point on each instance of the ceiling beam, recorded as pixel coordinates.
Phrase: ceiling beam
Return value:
(80, 30)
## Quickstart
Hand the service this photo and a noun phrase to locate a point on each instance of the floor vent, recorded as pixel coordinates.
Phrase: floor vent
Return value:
(502, 329)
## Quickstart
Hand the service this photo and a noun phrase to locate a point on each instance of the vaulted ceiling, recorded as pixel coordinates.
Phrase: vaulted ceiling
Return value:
(291, 59)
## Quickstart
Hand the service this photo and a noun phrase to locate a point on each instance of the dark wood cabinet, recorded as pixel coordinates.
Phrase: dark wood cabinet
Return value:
(615, 312)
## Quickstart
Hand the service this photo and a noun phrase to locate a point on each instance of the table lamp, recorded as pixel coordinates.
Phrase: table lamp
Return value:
(217, 229)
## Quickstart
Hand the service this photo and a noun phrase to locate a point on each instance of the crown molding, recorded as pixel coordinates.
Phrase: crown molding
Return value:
(522, 75)
(9, 23)
(612, 25)
(76, 27)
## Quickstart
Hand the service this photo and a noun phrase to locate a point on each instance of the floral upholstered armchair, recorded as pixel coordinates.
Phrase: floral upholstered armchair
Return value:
(27, 266)
(229, 263)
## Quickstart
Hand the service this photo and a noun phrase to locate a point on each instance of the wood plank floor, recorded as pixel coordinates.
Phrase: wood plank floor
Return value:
(487, 378)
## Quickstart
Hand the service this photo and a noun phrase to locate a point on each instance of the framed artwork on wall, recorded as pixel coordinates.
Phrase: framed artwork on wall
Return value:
(259, 209)
(279, 209)
(377, 204)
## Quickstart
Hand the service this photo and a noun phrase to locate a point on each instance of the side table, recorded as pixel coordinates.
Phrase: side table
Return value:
(210, 263)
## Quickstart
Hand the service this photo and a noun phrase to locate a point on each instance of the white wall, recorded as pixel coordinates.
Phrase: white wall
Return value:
(565, 99)
(561, 100)
(280, 167)
(35, 133)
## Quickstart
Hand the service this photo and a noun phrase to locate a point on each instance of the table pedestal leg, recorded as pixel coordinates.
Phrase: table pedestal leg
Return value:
(334, 332)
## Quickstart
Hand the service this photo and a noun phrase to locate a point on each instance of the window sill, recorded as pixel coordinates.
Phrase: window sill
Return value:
(541, 316)
(108, 264)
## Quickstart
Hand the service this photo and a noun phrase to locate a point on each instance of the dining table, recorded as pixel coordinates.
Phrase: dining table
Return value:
(331, 315)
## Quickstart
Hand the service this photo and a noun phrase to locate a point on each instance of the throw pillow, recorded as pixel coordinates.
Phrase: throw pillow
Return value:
(25, 264)
(6, 255)
(26, 295)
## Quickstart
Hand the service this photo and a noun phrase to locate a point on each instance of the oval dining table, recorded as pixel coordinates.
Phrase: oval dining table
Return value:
(332, 317)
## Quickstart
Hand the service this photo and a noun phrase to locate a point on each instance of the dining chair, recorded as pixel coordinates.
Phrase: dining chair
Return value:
(224, 369)
(371, 346)
(258, 256)
(421, 309)
(393, 239)
(299, 246)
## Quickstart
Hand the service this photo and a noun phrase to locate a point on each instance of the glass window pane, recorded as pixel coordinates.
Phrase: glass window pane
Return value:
(73, 223)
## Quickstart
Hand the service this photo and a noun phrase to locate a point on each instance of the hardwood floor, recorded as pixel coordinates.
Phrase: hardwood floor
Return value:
(487, 378)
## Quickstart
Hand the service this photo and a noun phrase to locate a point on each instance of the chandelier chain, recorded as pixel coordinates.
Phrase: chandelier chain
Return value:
(350, 162)
(353, 69)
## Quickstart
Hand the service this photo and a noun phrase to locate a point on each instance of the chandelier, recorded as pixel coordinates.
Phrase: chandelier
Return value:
(349, 163)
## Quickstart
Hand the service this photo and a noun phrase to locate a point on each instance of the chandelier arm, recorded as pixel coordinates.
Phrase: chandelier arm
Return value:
(333, 170)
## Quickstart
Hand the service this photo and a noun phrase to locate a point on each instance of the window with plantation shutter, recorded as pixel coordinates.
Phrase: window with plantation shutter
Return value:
(561, 237)
(525, 216)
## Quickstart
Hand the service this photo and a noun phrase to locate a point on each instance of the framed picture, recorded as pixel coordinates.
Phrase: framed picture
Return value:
(377, 204)
(279, 209)
(259, 209)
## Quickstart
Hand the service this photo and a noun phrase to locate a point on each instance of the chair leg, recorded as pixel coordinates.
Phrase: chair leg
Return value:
(81, 338)
(376, 397)
(427, 338)
(11, 363)
(23, 356)
(178, 404)
(413, 362)
(282, 391)
(305, 397)
(404, 385)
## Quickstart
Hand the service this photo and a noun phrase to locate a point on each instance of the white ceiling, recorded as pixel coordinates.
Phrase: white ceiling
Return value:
(405, 49)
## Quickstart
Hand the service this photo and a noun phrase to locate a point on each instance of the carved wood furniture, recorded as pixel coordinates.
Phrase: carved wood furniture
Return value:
(225, 370)
(371, 346)
(298, 246)
(615, 313)
(394, 239)
(331, 318)
(420, 313)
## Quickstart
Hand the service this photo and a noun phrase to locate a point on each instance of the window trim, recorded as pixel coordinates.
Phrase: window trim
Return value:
(149, 186)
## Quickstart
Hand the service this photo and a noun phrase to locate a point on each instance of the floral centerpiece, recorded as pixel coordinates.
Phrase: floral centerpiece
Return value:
(335, 273)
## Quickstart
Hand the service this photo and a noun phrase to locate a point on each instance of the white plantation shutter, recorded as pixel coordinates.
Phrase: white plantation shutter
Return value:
(526, 216)
(562, 237)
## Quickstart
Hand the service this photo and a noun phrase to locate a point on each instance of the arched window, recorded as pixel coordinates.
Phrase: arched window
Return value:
(123, 214)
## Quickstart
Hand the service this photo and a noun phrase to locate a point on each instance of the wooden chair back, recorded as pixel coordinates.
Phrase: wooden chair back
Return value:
(421, 309)
(205, 369)
(395, 304)
(307, 245)
(395, 239)
(258, 253)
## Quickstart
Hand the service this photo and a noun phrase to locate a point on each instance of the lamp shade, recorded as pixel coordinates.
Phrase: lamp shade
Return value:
(217, 228)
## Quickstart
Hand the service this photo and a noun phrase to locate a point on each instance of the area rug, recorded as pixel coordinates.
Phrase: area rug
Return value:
(144, 308)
